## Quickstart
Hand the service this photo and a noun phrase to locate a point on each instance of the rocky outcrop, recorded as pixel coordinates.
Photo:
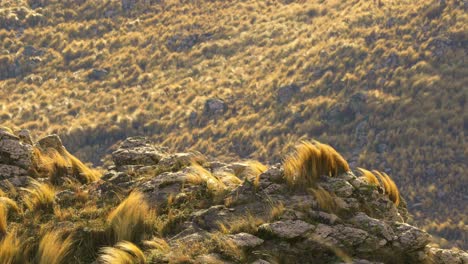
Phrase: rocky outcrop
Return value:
(269, 219)
(15, 155)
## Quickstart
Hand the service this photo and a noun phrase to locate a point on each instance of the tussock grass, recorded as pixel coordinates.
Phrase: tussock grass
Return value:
(123, 252)
(311, 160)
(254, 170)
(130, 220)
(40, 196)
(324, 199)
(200, 175)
(11, 249)
(5, 205)
(383, 180)
(57, 164)
(53, 249)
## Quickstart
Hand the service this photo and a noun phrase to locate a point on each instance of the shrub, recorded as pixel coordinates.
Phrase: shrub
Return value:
(310, 161)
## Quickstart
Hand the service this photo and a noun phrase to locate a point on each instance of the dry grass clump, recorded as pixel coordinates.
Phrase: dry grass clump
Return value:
(200, 175)
(57, 164)
(324, 199)
(311, 160)
(123, 252)
(11, 249)
(41, 196)
(130, 220)
(5, 205)
(53, 249)
(254, 170)
(383, 180)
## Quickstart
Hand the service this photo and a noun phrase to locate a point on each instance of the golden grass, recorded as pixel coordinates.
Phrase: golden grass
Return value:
(382, 179)
(324, 199)
(248, 224)
(57, 164)
(129, 220)
(200, 175)
(53, 249)
(11, 249)
(253, 171)
(40, 196)
(123, 252)
(5, 205)
(311, 160)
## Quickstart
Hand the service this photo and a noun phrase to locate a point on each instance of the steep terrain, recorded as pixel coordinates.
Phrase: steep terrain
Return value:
(152, 206)
(383, 81)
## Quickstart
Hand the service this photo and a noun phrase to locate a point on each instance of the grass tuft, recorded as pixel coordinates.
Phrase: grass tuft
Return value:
(383, 180)
(129, 221)
(311, 160)
(41, 196)
(53, 249)
(123, 252)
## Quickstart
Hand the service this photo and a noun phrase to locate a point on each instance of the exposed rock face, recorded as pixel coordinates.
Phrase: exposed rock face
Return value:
(15, 156)
(262, 218)
(214, 106)
(136, 151)
(363, 227)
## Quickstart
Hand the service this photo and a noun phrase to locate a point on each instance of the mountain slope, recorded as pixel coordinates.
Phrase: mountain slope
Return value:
(384, 81)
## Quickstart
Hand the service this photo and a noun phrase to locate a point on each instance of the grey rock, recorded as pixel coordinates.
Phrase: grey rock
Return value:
(215, 106)
(411, 238)
(288, 229)
(97, 74)
(245, 240)
(51, 141)
(447, 256)
(373, 226)
(137, 151)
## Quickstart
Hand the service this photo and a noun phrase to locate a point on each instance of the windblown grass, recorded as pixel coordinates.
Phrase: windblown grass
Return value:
(11, 249)
(40, 196)
(58, 164)
(53, 249)
(383, 180)
(129, 221)
(123, 252)
(6, 204)
(310, 161)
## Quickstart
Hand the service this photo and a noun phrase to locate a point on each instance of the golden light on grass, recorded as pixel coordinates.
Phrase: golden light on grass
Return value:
(311, 160)
(129, 220)
(57, 164)
(123, 252)
(11, 249)
(199, 175)
(40, 196)
(6, 204)
(383, 180)
(53, 249)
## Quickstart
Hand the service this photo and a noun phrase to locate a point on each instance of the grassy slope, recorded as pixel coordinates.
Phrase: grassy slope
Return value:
(369, 74)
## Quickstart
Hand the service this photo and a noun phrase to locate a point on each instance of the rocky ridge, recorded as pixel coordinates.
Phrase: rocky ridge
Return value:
(257, 218)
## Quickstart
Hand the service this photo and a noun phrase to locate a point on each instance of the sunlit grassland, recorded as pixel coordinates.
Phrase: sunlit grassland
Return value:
(369, 74)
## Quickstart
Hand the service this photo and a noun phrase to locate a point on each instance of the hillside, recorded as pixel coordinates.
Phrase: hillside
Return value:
(383, 81)
(152, 206)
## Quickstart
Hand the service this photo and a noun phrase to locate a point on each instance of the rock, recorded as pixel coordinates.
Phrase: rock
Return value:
(446, 256)
(137, 151)
(25, 136)
(285, 93)
(245, 240)
(15, 156)
(51, 141)
(288, 229)
(373, 226)
(411, 238)
(97, 74)
(215, 106)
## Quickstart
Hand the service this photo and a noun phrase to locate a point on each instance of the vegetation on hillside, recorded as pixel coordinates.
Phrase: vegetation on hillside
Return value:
(385, 81)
